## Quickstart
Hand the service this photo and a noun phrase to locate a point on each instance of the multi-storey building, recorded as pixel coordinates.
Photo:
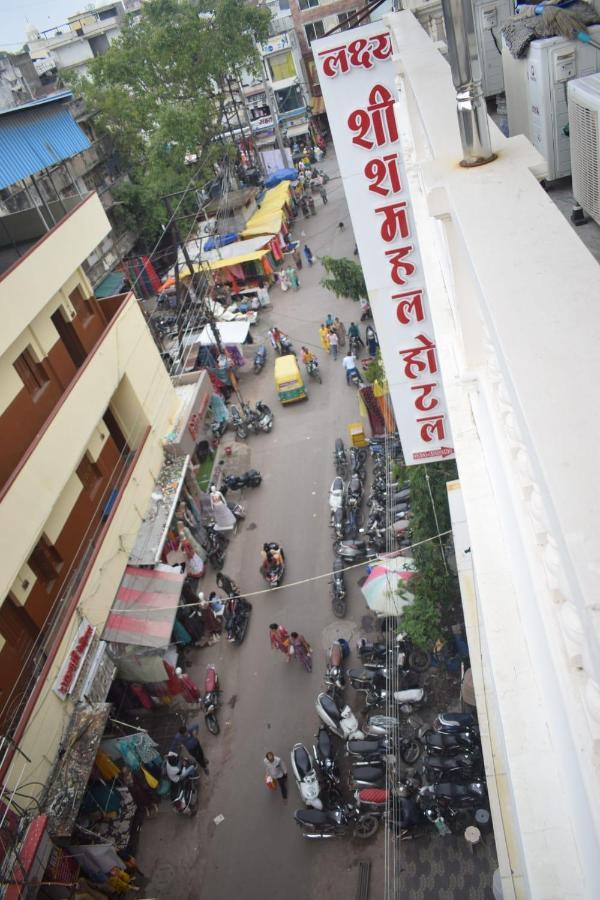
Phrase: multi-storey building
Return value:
(84, 403)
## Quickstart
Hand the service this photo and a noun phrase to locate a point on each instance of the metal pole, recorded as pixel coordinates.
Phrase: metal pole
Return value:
(466, 75)
(273, 107)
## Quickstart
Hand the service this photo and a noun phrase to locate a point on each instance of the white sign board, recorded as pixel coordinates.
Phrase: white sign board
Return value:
(357, 79)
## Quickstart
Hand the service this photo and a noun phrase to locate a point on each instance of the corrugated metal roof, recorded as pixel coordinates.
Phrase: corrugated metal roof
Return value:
(35, 137)
(40, 101)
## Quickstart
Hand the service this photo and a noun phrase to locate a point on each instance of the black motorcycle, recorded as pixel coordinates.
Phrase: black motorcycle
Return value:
(454, 796)
(338, 589)
(409, 657)
(460, 767)
(236, 619)
(340, 458)
(341, 820)
(238, 423)
(251, 478)
(326, 765)
(449, 744)
(354, 551)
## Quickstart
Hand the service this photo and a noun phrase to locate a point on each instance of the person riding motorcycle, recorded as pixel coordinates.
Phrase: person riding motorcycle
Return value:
(176, 768)
(272, 556)
(309, 359)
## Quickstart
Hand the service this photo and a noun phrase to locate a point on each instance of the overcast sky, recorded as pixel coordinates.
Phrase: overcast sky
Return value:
(14, 15)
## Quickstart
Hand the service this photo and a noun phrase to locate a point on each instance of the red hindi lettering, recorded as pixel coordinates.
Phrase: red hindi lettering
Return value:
(401, 270)
(425, 402)
(381, 169)
(395, 223)
(419, 359)
(432, 429)
(378, 117)
(383, 45)
(410, 308)
(359, 54)
(335, 57)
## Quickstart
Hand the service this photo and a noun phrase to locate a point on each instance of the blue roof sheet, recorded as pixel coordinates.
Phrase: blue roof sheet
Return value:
(34, 137)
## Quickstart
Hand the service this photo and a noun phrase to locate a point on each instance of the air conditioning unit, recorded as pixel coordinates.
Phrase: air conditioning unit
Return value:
(488, 17)
(536, 94)
(584, 137)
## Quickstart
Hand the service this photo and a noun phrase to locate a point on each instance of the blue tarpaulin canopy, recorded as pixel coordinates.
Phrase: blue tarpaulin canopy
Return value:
(280, 175)
(220, 240)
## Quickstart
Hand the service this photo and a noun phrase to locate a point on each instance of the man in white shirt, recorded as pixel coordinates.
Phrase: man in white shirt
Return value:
(333, 343)
(349, 364)
(276, 770)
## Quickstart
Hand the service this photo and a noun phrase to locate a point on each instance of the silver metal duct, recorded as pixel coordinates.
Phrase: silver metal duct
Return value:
(466, 75)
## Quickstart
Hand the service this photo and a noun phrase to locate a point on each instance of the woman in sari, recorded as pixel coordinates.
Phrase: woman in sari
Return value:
(302, 650)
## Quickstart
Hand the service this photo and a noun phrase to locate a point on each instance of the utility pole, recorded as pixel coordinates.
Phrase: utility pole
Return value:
(258, 160)
(273, 107)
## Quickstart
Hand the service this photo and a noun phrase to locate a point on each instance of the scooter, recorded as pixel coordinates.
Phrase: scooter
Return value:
(259, 419)
(340, 721)
(238, 423)
(336, 506)
(314, 370)
(306, 777)
(286, 347)
(338, 589)
(251, 478)
(260, 358)
(456, 723)
(337, 822)
(183, 792)
(210, 701)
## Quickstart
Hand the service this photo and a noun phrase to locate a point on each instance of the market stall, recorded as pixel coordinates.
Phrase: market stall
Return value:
(276, 209)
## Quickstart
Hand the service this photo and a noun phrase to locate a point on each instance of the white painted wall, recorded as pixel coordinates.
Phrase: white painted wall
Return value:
(517, 330)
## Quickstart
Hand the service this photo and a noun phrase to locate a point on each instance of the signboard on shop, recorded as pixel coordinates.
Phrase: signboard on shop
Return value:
(356, 74)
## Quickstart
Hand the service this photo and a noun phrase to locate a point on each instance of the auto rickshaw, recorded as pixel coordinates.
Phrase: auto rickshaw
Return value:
(288, 380)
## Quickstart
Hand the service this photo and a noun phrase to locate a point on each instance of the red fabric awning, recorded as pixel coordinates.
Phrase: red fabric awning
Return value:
(144, 609)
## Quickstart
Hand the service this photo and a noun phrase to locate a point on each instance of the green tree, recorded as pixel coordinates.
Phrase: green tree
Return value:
(160, 90)
(345, 279)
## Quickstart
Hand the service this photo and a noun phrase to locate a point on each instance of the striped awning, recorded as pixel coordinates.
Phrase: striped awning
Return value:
(144, 609)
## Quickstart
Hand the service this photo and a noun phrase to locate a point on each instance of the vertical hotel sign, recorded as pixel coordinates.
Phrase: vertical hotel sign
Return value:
(357, 79)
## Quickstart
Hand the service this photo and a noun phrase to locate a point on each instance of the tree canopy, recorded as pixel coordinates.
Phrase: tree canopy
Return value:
(345, 279)
(160, 89)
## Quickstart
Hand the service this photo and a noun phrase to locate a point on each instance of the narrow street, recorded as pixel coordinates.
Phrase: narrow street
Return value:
(257, 850)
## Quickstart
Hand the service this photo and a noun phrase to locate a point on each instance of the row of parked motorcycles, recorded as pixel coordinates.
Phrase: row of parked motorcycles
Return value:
(245, 422)
(345, 514)
(366, 768)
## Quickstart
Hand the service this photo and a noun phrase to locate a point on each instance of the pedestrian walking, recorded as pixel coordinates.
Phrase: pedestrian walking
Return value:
(324, 337)
(284, 280)
(302, 650)
(280, 639)
(308, 255)
(276, 772)
(293, 276)
(188, 738)
(341, 226)
(329, 320)
(323, 194)
(333, 342)
(372, 340)
(275, 336)
(340, 330)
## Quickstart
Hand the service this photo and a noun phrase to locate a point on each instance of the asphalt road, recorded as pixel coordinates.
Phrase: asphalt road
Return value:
(257, 851)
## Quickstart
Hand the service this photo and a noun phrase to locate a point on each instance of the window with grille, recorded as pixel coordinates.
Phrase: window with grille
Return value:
(45, 561)
(308, 4)
(32, 373)
(89, 474)
(314, 30)
(347, 19)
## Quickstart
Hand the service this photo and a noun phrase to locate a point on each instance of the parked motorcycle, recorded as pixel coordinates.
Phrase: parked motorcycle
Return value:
(259, 419)
(306, 777)
(461, 767)
(454, 796)
(352, 522)
(340, 458)
(336, 506)
(210, 701)
(260, 358)
(355, 487)
(339, 720)
(238, 423)
(456, 723)
(326, 765)
(338, 589)
(335, 677)
(373, 774)
(341, 820)
(251, 478)
(409, 657)
(449, 744)
(237, 619)
(353, 551)
(405, 701)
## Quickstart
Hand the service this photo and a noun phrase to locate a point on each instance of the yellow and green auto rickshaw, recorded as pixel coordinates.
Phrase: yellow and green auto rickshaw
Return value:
(288, 380)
